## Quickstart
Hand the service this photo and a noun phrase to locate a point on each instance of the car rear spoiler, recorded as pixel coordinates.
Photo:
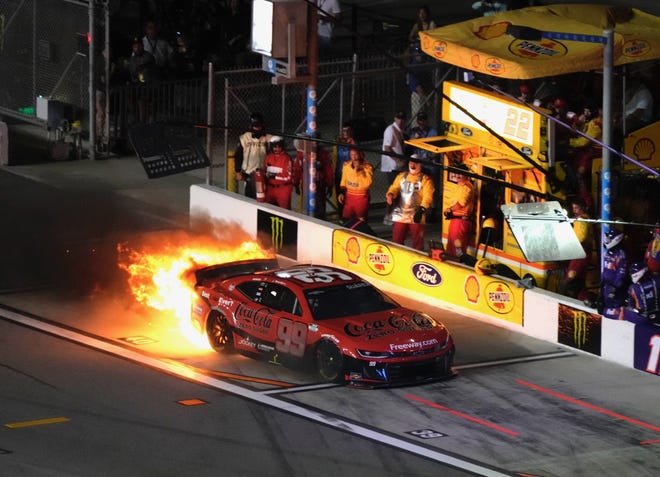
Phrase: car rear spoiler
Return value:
(232, 269)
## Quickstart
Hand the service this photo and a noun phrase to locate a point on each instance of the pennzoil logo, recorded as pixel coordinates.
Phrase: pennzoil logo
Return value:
(379, 258)
(544, 49)
(494, 66)
(352, 249)
(439, 49)
(636, 48)
(499, 297)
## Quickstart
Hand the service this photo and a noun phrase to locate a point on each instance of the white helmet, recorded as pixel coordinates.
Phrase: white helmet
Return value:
(613, 238)
(276, 141)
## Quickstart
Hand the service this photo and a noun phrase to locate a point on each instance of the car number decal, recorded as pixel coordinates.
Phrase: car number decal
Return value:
(316, 275)
(291, 337)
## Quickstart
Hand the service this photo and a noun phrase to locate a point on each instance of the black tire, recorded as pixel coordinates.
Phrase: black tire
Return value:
(219, 333)
(329, 362)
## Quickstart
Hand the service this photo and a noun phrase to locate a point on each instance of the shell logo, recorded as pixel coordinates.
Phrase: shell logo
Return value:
(495, 66)
(352, 249)
(499, 297)
(644, 149)
(472, 288)
(379, 258)
(545, 49)
(636, 48)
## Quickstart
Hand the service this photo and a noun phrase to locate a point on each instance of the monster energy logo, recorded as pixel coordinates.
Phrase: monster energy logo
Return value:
(580, 320)
(277, 232)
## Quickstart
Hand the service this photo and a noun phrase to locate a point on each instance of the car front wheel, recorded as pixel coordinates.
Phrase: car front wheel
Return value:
(219, 332)
(329, 362)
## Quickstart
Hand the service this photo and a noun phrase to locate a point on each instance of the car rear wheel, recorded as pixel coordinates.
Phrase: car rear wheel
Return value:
(329, 362)
(219, 332)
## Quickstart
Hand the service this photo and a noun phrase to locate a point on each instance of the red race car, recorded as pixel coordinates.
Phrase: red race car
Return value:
(346, 327)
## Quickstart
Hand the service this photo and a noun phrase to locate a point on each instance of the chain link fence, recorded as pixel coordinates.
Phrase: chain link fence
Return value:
(40, 55)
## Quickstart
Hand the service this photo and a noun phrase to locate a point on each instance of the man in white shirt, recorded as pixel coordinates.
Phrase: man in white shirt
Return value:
(329, 13)
(393, 141)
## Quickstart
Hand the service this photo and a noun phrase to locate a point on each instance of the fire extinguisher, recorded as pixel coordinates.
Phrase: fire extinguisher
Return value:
(260, 185)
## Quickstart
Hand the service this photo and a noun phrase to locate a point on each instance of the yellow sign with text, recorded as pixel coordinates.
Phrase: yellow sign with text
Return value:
(448, 281)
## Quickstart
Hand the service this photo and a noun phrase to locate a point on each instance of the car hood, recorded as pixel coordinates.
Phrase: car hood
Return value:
(394, 330)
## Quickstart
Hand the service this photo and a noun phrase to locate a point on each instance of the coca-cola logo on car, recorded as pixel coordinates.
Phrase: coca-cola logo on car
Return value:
(395, 323)
(426, 274)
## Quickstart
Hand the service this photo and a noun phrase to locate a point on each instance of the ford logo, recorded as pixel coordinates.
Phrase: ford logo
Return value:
(467, 132)
(426, 274)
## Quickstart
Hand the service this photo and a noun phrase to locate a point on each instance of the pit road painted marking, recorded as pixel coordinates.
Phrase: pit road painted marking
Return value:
(37, 422)
(291, 408)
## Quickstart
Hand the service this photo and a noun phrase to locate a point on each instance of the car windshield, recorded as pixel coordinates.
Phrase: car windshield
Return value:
(347, 300)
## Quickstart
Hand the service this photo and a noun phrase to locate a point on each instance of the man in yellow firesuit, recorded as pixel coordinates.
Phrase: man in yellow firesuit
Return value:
(460, 214)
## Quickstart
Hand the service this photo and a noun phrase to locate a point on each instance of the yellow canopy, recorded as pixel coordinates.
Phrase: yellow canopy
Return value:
(482, 45)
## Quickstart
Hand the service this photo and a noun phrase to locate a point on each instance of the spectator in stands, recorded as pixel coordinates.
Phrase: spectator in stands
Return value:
(329, 14)
(638, 109)
(460, 214)
(158, 46)
(393, 142)
(356, 179)
(279, 174)
(141, 64)
(250, 153)
(576, 273)
(410, 195)
(142, 68)
(424, 22)
(186, 62)
(415, 53)
(236, 28)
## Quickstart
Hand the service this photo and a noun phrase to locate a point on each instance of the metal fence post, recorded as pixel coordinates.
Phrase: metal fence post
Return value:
(210, 119)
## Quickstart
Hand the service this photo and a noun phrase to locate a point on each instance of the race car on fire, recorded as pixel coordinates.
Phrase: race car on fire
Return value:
(347, 328)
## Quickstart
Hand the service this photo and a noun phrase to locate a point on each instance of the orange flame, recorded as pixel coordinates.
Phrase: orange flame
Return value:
(160, 272)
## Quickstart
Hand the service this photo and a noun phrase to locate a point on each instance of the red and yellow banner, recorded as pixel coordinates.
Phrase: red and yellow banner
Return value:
(482, 44)
(447, 281)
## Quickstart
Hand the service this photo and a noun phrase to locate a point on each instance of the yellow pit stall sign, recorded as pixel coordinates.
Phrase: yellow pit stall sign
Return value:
(446, 281)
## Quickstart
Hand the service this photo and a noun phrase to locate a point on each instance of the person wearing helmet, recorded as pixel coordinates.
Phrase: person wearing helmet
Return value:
(652, 254)
(279, 174)
(250, 153)
(614, 278)
(644, 292)
(410, 195)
